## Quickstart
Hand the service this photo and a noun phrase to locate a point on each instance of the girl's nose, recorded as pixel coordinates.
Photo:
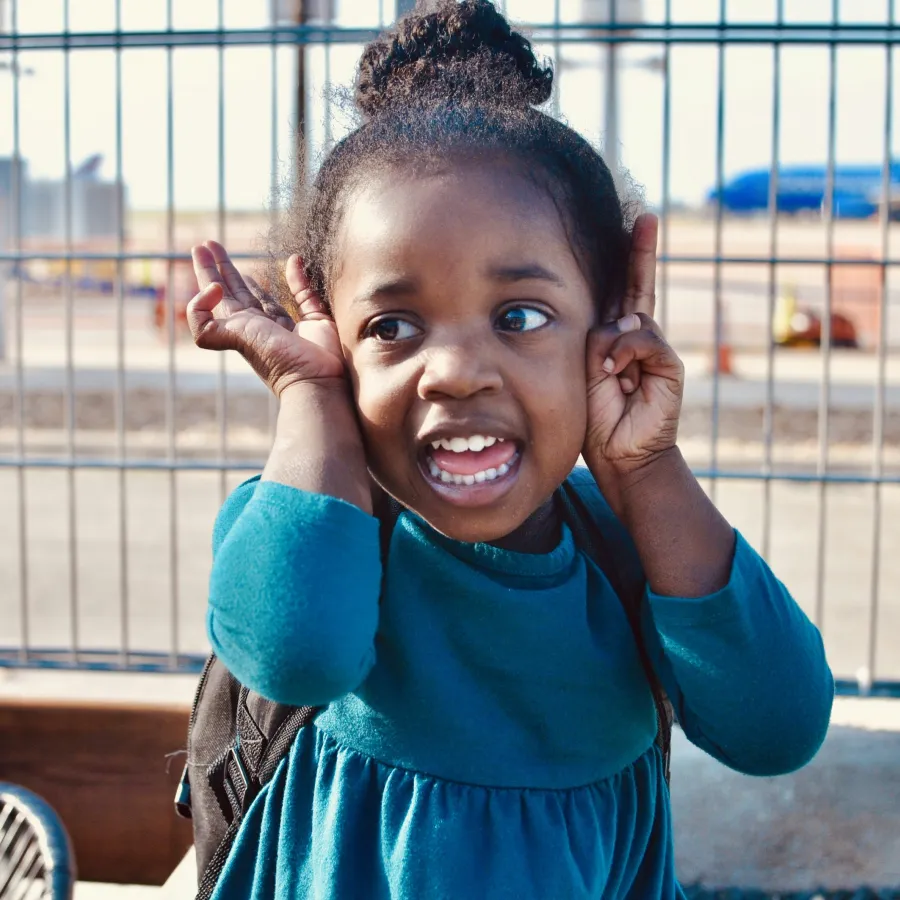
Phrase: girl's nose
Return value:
(458, 373)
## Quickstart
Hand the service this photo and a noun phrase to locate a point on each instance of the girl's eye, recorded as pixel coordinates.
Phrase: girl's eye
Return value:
(389, 330)
(522, 318)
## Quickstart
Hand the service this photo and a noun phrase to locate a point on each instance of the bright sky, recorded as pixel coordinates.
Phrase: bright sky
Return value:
(249, 104)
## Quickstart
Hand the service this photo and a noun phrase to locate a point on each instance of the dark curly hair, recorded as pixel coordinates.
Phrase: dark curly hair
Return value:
(452, 79)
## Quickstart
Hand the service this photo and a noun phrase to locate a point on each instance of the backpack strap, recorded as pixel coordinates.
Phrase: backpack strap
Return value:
(251, 761)
(604, 539)
(263, 733)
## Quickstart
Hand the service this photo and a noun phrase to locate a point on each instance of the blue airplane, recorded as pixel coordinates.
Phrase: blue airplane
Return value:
(857, 190)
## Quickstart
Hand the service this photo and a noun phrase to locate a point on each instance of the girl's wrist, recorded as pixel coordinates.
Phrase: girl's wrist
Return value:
(685, 544)
(318, 446)
(629, 483)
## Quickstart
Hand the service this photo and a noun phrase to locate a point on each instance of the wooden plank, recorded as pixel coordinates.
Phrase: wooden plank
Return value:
(105, 768)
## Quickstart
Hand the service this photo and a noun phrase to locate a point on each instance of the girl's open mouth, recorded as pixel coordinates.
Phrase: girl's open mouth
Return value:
(472, 470)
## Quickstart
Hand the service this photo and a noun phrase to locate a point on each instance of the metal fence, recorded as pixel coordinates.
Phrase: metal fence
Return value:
(119, 441)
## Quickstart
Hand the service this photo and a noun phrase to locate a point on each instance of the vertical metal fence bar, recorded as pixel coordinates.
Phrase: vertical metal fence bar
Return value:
(665, 207)
(769, 412)
(69, 319)
(222, 385)
(19, 338)
(612, 150)
(881, 376)
(718, 318)
(273, 173)
(557, 59)
(124, 637)
(825, 343)
(170, 319)
(329, 13)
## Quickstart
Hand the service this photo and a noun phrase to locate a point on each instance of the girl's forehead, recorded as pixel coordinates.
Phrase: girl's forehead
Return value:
(461, 209)
(447, 235)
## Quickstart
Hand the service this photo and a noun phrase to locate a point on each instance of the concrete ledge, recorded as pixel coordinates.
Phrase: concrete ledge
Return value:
(833, 825)
(181, 885)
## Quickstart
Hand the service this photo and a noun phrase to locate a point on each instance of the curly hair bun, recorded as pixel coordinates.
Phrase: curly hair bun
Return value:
(454, 52)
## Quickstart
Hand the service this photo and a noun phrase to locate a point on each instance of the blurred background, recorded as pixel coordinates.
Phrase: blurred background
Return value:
(763, 132)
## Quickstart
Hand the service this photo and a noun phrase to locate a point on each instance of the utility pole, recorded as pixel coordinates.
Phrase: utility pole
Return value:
(6, 208)
(299, 17)
(595, 14)
(611, 110)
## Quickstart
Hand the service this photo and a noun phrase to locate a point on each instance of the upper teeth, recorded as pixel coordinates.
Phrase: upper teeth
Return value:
(477, 443)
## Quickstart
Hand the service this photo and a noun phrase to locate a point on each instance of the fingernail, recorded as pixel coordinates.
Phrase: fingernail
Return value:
(609, 364)
(629, 323)
(627, 385)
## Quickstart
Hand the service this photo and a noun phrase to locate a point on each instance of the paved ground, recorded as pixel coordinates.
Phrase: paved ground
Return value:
(834, 824)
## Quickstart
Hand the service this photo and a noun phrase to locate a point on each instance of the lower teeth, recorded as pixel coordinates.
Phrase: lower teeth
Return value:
(478, 478)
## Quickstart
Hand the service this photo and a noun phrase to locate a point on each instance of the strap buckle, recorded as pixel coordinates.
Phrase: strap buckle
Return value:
(183, 795)
(239, 787)
(234, 755)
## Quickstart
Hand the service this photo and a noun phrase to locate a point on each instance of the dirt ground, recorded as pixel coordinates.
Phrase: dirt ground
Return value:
(146, 410)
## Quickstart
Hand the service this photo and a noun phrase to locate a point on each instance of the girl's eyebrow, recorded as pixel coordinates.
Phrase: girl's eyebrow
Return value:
(527, 272)
(405, 286)
(392, 287)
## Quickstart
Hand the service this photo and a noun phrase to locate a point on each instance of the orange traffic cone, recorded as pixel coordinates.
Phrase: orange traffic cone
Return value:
(725, 360)
(722, 362)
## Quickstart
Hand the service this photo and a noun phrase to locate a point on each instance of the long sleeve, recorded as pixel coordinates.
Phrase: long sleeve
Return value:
(745, 670)
(294, 588)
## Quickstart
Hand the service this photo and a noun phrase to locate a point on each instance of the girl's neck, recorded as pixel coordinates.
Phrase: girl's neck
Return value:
(539, 533)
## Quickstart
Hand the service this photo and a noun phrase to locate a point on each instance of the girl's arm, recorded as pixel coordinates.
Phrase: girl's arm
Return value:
(744, 668)
(685, 544)
(293, 602)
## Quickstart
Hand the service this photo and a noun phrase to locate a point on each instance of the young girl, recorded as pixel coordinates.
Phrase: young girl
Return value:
(473, 313)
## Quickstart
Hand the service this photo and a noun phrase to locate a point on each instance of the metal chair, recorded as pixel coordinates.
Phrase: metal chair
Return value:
(36, 858)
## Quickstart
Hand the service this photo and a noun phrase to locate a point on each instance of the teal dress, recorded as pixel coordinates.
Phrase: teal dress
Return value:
(489, 730)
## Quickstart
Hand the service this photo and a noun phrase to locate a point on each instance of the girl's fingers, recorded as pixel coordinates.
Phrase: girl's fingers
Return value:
(645, 347)
(321, 332)
(308, 303)
(630, 377)
(270, 306)
(603, 338)
(200, 317)
(208, 273)
(640, 293)
(205, 267)
(233, 280)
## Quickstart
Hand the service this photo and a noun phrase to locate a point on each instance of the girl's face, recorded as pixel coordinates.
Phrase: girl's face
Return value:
(464, 317)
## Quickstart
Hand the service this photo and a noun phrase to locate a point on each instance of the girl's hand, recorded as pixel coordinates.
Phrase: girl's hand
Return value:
(227, 315)
(635, 379)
